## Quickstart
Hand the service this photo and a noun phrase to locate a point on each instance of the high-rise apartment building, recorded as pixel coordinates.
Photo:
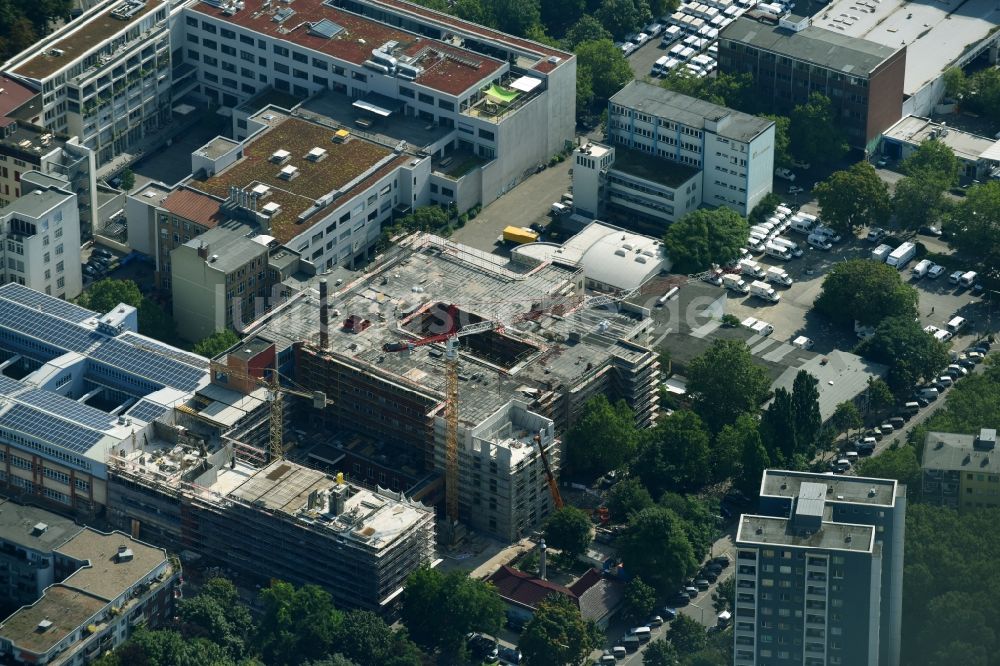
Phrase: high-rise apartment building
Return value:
(819, 572)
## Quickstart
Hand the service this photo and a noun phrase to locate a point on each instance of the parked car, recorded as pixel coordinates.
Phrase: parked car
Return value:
(721, 560)
(805, 166)
(669, 613)
(679, 599)
(955, 277)
(930, 231)
(785, 174)
(702, 584)
(691, 591)
(101, 252)
(795, 189)
(931, 329)
(875, 235)
(709, 575)
(935, 271)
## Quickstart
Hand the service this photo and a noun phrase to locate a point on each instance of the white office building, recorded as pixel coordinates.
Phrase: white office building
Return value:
(673, 153)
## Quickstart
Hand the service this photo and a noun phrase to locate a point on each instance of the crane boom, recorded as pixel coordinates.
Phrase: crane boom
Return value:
(557, 499)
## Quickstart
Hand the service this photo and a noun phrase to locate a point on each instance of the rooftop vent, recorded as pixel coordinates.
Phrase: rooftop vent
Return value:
(341, 136)
(986, 440)
(124, 554)
(280, 156)
(271, 208)
(283, 15)
(317, 154)
(871, 492)
(288, 172)
(127, 10)
(44, 625)
(39, 529)
(261, 190)
(849, 538)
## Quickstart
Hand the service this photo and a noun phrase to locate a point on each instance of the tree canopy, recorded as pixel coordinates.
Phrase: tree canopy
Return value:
(439, 609)
(846, 417)
(975, 224)
(805, 407)
(660, 652)
(782, 142)
(814, 132)
(853, 198)
(102, 296)
(724, 382)
(675, 455)
(639, 601)
(557, 634)
(23, 22)
(972, 404)
(601, 71)
(622, 16)
(933, 158)
(919, 201)
(724, 89)
(865, 291)
(910, 353)
(603, 438)
(626, 497)
(898, 463)
(568, 529)
(655, 546)
(216, 343)
(704, 237)
(586, 29)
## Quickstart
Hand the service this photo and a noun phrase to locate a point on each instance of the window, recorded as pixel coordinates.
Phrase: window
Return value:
(211, 62)
(192, 55)
(208, 27)
(192, 21)
(426, 99)
(210, 44)
(358, 76)
(228, 66)
(246, 39)
(281, 69)
(280, 50)
(247, 55)
(486, 134)
(228, 50)
(299, 57)
(192, 38)
(226, 33)
(319, 64)
(299, 74)
(406, 92)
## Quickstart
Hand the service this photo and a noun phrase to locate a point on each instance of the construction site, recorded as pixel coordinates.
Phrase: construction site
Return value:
(459, 366)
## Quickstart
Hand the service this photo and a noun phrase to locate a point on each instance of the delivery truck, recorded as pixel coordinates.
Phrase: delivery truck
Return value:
(901, 256)
(764, 291)
(519, 235)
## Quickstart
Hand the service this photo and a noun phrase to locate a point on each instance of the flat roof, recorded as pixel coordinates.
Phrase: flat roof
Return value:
(914, 130)
(768, 530)
(936, 33)
(105, 577)
(850, 489)
(842, 376)
(66, 608)
(656, 169)
(690, 111)
(36, 204)
(217, 147)
(21, 525)
(949, 452)
(15, 95)
(229, 245)
(446, 68)
(343, 165)
(79, 37)
(826, 48)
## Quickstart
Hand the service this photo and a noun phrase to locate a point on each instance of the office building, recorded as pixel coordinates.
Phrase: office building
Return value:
(671, 153)
(104, 586)
(790, 61)
(961, 471)
(41, 242)
(978, 156)
(104, 77)
(819, 572)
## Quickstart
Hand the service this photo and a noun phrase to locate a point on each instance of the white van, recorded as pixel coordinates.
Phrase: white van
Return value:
(956, 324)
(801, 224)
(642, 633)
(658, 66)
(929, 393)
(921, 268)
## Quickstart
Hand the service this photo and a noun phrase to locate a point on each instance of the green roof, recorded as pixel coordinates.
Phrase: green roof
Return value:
(648, 167)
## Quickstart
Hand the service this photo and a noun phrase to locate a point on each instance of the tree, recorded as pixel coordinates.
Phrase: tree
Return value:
(557, 634)
(729, 445)
(815, 134)
(127, 180)
(656, 547)
(777, 428)
(899, 463)
(764, 209)
(676, 455)
(782, 142)
(754, 459)
(704, 237)
(973, 404)
(805, 407)
(603, 438)
(471, 10)
(218, 614)
(602, 69)
(365, 638)
(332, 660)
(660, 653)
(865, 291)
(586, 29)
(622, 16)
(155, 322)
(216, 343)
(166, 648)
(982, 93)
(879, 394)
(687, 634)
(626, 497)
(568, 529)
(515, 16)
(639, 601)
(846, 417)
(919, 201)
(439, 609)
(733, 90)
(698, 519)
(557, 15)
(853, 198)
(104, 295)
(975, 224)
(724, 597)
(724, 382)
(296, 624)
(911, 354)
(933, 158)
(954, 82)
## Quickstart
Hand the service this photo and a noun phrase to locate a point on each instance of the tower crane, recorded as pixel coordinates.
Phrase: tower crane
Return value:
(557, 499)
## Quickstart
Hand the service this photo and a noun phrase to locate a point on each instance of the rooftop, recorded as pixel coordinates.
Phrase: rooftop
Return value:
(217, 147)
(15, 94)
(658, 170)
(194, 206)
(79, 37)
(949, 452)
(766, 530)
(104, 575)
(228, 247)
(935, 33)
(526, 589)
(820, 46)
(914, 130)
(270, 96)
(66, 608)
(841, 376)
(849, 489)
(35, 528)
(446, 68)
(36, 204)
(317, 184)
(30, 141)
(690, 111)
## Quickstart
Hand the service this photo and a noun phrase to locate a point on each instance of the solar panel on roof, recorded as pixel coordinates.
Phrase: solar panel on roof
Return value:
(67, 408)
(148, 364)
(173, 352)
(40, 425)
(146, 411)
(325, 28)
(8, 385)
(45, 328)
(44, 303)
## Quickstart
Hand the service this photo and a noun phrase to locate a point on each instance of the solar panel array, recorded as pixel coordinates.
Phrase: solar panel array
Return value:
(48, 428)
(149, 365)
(67, 408)
(8, 385)
(146, 411)
(173, 352)
(48, 304)
(45, 328)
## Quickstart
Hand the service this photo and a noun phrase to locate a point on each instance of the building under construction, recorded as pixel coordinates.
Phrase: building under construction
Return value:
(541, 350)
